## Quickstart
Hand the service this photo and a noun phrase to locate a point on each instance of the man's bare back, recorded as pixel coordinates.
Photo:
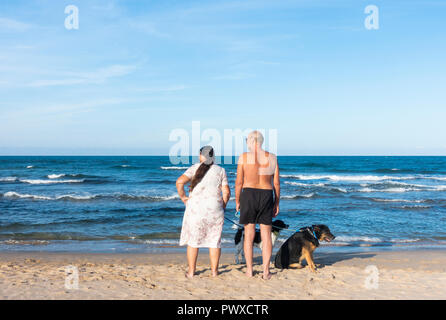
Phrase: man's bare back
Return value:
(258, 169)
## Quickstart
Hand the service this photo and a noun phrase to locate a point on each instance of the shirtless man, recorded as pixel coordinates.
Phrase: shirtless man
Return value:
(257, 180)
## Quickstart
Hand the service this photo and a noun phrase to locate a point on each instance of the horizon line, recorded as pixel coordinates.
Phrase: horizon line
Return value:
(161, 155)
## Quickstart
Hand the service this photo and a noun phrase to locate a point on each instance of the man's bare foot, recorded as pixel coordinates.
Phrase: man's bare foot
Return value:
(214, 273)
(266, 276)
(249, 273)
(188, 275)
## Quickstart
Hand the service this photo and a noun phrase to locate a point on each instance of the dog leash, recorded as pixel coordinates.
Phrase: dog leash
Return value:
(237, 215)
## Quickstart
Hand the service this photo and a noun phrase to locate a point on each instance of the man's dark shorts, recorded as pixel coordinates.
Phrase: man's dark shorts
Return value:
(256, 206)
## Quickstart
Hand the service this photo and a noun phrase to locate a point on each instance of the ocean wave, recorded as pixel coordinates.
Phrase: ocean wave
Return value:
(345, 177)
(300, 196)
(22, 238)
(349, 239)
(174, 168)
(299, 184)
(437, 178)
(55, 176)
(404, 240)
(129, 197)
(29, 167)
(414, 207)
(126, 166)
(40, 181)
(392, 190)
(395, 200)
(72, 175)
(8, 179)
(12, 194)
(122, 197)
(319, 185)
(407, 186)
(161, 242)
(25, 242)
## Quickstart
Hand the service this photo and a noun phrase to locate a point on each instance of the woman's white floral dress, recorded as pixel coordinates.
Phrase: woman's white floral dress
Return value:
(204, 215)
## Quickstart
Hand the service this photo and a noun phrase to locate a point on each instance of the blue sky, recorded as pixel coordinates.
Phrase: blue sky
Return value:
(136, 70)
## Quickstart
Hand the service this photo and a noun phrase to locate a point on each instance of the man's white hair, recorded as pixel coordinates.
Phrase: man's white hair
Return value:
(257, 136)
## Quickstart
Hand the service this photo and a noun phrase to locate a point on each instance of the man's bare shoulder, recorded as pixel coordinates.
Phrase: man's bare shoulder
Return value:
(270, 154)
(242, 157)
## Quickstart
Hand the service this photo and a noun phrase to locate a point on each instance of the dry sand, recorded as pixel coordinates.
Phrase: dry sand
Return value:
(402, 275)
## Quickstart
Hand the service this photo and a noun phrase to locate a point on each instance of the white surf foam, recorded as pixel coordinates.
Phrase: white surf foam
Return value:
(404, 240)
(24, 242)
(392, 190)
(298, 196)
(437, 178)
(397, 200)
(346, 177)
(55, 176)
(39, 181)
(12, 194)
(174, 168)
(357, 238)
(172, 197)
(292, 183)
(8, 179)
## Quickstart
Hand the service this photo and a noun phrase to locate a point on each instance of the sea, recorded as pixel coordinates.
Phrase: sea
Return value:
(130, 204)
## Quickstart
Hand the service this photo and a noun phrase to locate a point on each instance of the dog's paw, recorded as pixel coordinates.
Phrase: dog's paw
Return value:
(313, 269)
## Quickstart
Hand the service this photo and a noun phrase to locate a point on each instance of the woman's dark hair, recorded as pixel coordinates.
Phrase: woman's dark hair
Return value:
(208, 153)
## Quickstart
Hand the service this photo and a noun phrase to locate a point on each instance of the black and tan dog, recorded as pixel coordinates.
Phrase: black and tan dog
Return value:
(300, 246)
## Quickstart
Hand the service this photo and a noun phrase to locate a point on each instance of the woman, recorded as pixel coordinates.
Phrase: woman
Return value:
(203, 219)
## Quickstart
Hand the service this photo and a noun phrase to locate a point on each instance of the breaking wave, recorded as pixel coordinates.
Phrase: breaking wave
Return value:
(120, 197)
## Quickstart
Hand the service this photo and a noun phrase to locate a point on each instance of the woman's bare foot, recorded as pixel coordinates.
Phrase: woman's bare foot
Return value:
(214, 273)
(249, 273)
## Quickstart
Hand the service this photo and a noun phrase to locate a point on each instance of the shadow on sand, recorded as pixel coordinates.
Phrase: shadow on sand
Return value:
(328, 259)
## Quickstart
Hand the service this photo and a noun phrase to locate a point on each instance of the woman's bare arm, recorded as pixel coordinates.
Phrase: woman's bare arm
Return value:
(226, 195)
(181, 181)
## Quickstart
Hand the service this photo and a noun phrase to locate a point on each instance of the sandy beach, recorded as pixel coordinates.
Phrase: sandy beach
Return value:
(398, 275)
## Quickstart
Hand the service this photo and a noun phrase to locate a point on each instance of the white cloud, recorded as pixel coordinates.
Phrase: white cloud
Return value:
(234, 76)
(13, 25)
(162, 89)
(93, 77)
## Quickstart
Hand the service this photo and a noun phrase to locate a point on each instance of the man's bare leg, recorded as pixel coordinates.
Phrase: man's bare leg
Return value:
(267, 248)
(250, 232)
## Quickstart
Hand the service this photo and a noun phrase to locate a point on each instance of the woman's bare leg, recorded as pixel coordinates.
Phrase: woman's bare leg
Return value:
(214, 255)
(192, 254)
